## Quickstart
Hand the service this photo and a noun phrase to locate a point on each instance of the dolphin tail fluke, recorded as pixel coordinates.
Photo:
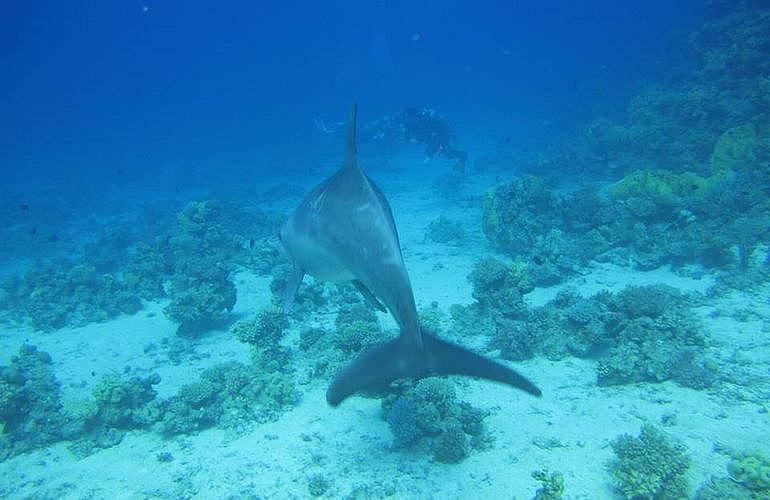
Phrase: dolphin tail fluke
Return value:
(381, 365)
(373, 370)
(446, 358)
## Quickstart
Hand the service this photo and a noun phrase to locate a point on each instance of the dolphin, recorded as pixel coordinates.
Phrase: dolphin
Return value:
(343, 230)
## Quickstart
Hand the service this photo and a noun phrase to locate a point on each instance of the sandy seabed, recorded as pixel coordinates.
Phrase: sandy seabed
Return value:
(568, 430)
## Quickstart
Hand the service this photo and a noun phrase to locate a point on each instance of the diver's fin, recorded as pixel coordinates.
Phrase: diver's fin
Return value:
(381, 365)
(369, 296)
(292, 285)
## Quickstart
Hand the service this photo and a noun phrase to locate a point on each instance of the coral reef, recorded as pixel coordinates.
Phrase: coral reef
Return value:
(117, 405)
(231, 395)
(200, 288)
(748, 479)
(752, 471)
(310, 296)
(499, 286)
(660, 188)
(552, 485)
(651, 465)
(357, 329)
(318, 485)
(512, 213)
(189, 263)
(659, 339)
(65, 293)
(199, 298)
(266, 329)
(639, 334)
(126, 404)
(690, 161)
(404, 422)
(568, 325)
(263, 334)
(427, 413)
(30, 403)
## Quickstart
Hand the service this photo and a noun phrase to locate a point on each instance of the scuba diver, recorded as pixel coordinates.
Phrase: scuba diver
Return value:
(422, 126)
(425, 126)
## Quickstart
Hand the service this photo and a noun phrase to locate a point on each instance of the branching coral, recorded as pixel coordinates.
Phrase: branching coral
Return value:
(650, 466)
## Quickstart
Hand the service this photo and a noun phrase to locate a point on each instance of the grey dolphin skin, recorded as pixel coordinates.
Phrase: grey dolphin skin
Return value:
(344, 231)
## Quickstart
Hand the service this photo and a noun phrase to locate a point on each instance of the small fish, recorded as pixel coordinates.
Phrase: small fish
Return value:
(53, 238)
(251, 243)
(24, 207)
(33, 231)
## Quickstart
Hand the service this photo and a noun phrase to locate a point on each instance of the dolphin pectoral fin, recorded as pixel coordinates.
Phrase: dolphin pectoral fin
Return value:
(292, 285)
(369, 296)
(446, 358)
(381, 365)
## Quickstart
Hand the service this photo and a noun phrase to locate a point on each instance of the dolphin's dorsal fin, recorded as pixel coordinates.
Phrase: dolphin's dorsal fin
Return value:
(350, 145)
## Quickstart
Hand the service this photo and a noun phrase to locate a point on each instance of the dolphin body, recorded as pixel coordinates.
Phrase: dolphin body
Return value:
(344, 231)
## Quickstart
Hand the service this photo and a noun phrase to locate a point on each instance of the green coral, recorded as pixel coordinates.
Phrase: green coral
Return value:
(125, 404)
(752, 471)
(651, 466)
(118, 405)
(735, 149)
(266, 330)
(552, 485)
(662, 187)
(499, 286)
(231, 395)
(513, 213)
(357, 328)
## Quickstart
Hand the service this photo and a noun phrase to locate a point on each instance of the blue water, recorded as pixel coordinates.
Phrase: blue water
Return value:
(580, 190)
(143, 92)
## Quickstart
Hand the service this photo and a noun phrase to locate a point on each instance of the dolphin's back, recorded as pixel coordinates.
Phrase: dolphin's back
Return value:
(344, 231)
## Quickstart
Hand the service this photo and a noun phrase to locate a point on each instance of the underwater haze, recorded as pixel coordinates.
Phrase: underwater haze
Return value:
(116, 92)
(196, 247)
